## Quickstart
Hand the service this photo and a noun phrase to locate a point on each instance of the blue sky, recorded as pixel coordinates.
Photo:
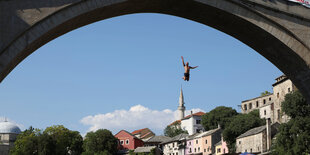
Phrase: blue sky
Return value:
(90, 78)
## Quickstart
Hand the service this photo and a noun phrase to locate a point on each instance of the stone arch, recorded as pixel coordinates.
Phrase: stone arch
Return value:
(254, 28)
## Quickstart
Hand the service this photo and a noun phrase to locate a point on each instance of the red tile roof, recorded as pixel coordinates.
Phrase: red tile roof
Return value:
(138, 131)
(194, 114)
(177, 121)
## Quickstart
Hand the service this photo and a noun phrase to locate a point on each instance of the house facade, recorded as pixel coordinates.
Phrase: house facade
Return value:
(192, 123)
(257, 140)
(269, 106)
(175, 146)
(127, 141)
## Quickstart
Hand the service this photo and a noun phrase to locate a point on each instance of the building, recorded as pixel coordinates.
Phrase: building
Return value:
(269, 106)
(181, 107)
(281, 87)
(192, 123)
(257, 140)
(128, 141)
(8, 134)
(148, 150)
(204, 143)
(256, 103)
(190, 144)
(175, 146)
(156, 141)
(143, 134)
(221, 147)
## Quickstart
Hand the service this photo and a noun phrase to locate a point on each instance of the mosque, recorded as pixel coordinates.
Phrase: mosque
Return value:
(8, 135)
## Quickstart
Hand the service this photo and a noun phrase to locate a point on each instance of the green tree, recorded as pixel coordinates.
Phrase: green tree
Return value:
(220, 115)
(66, 141)
(239, 125)
(100, 142)
(26, 142)
(294, 137)
(54, 140)
(265, 93)
(174, 129)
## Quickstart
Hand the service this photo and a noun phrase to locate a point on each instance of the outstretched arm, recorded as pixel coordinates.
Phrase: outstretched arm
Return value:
(183, 61)
(193, 67)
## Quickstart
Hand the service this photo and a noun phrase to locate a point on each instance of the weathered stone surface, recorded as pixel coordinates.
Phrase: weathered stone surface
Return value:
(279, 30)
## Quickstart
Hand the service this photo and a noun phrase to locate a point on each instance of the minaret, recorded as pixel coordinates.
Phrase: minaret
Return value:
(181, 107)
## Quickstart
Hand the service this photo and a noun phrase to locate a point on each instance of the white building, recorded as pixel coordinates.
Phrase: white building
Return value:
(8, 135)
(192, 123)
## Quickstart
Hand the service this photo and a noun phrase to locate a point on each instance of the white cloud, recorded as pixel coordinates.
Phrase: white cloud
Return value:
(137, 117)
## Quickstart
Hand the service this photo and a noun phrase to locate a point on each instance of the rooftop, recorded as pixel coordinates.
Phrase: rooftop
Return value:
(176, 138)
(144, 149)
(158, 139)
(8, 127)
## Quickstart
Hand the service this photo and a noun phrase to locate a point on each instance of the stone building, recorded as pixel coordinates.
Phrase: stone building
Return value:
(8, 134)
(269, 106)
(257, 140)
(175, 146)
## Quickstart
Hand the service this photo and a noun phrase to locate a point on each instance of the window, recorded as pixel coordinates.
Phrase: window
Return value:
(196, 141)
(250, 106)
(269, 98)
(258, 148)
(278, 95)
(176, 153)
(279, 114)
(206, 141)
(122, 142)
(172, 153)
(239, 142)
(208, 149)
(257, 104)
(198, 121)
(251, 150)
(189, 143)
(246, 150)
(172, 144)
(224, 151)
(190, 150)
(218, 150)
(265, 112)
(195, 149)
(205, 150)
(127, 141)
(264, 101)
(198, 149)
(289, 89)
(245, 107)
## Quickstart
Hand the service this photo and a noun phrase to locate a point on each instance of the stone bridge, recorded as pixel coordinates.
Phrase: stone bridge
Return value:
(277, 29)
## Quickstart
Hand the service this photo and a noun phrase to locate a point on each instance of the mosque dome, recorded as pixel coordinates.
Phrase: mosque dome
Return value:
(8, 127)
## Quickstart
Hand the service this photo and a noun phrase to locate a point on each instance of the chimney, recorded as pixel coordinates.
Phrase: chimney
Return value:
(191, 112)
(268, 132)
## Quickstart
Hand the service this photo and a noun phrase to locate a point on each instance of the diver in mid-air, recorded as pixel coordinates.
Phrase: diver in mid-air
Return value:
(187, 69)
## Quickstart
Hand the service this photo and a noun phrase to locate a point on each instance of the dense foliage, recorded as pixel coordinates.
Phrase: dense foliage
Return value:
(294, 137)
(62, 141)
(239, 125)
(174, 129)
(101, 142)
(54, 140)
(220, 115)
